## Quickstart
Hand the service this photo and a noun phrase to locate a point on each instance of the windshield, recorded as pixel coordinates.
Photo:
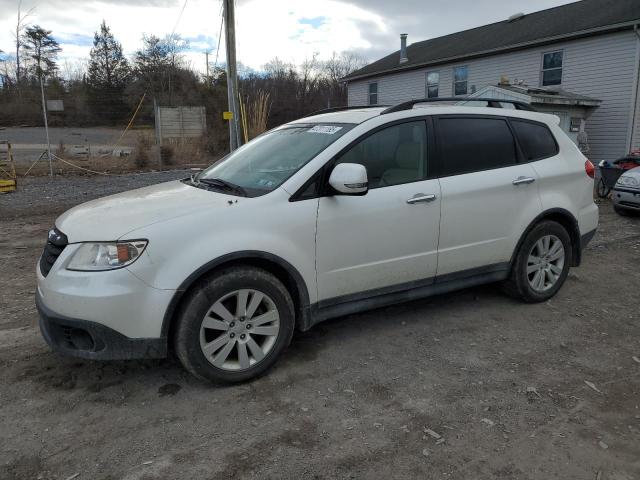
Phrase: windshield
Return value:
(263, 164)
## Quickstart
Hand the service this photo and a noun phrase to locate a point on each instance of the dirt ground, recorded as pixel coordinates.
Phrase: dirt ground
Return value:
(502, 386)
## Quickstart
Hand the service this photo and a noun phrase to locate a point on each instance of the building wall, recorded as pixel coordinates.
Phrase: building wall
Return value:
(602, 67)
(635, 139)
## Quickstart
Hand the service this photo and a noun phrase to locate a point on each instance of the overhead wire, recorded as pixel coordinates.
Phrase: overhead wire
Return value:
(184, 5)
(144, 94)
(215, 65)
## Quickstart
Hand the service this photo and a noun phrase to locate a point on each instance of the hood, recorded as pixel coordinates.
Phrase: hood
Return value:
(630, 179)
(634, 172)
(109, 218)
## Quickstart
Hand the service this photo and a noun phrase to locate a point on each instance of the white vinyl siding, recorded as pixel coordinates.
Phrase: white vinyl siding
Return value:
(601, 67)
(635, 140)
(635, 135)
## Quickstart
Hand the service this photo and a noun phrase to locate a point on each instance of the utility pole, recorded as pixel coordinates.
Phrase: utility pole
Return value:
(206, 56)
(232, 73)
(46, 124)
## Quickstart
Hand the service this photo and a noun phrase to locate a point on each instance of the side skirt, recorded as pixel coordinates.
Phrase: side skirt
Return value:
(382, 297)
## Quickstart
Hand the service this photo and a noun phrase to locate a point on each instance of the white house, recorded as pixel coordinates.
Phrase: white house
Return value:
(581, 61)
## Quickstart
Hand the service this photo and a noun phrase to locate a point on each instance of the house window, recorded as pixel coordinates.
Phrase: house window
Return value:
(552, 68)
(433, 81)
(575, 124)
(373, 94)
(460, 75)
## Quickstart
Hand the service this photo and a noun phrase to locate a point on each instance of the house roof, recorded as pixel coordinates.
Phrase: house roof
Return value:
(534, 95)
(552, 95)
(584, 18)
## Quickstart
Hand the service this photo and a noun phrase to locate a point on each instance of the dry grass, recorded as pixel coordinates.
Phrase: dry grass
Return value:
(256, 111)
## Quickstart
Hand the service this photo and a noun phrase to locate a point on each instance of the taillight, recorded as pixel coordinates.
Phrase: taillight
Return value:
(590, 169)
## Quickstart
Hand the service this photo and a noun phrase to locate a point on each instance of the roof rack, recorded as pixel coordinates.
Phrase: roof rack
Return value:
(340, 109)
(491, 102)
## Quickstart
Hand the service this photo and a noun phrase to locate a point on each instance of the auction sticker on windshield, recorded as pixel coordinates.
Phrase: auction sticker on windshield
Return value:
(326, 129)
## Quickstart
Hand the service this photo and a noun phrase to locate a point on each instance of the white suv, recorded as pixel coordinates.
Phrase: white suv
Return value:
(328, 215)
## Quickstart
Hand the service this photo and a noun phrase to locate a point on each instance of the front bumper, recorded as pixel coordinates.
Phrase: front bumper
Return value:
(586, 239)
(626, 198)
(90, 340)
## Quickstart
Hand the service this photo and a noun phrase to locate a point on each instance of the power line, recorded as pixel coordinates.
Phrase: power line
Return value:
(219, 38)
(184, 5)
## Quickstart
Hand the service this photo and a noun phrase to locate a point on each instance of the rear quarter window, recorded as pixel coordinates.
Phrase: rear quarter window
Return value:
(469, 144)
(536, 140)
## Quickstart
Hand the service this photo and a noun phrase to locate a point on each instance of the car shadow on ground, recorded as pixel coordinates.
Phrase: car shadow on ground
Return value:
(61, 373)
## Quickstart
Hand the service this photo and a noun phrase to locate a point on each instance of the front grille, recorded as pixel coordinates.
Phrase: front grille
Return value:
(56, 242)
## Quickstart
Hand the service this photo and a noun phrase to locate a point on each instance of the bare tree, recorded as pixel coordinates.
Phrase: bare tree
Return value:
(21, 24)
(4, 77)
(174, 46)
(279, 69)
(310, 76)
(341, 65)
(74, 71)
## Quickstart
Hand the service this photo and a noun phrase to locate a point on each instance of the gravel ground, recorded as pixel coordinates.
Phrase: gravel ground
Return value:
(40, 195)
(502, 384)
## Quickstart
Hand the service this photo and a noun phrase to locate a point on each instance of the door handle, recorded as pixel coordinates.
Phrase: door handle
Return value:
(523, 180)
(421, 198)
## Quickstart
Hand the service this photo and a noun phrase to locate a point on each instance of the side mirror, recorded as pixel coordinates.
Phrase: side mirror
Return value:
(349, 179)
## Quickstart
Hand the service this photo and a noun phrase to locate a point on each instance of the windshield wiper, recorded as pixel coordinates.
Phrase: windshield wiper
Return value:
(223, 184)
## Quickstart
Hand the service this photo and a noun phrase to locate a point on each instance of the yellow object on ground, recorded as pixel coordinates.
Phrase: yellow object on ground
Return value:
(7, 168)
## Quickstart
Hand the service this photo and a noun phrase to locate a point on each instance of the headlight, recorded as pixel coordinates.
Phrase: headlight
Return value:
(628, 181)
(92, 257)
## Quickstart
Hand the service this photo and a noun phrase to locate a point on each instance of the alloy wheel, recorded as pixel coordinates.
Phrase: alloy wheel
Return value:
(239, 329)
(545, 263)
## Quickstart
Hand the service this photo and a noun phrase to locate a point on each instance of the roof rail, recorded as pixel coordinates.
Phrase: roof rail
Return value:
(340, 109)
(491, 102)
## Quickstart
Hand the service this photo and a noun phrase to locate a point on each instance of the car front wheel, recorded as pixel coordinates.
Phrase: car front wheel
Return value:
(234, 326)
(542, 263)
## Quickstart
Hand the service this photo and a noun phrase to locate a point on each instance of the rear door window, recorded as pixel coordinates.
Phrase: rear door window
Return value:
(471, 144)
(536, 140)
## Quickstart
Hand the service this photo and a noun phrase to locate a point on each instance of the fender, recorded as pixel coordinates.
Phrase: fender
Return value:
(568, 221)
(301, 287)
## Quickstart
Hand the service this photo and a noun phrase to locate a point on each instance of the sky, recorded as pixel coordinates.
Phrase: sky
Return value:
(292, 30)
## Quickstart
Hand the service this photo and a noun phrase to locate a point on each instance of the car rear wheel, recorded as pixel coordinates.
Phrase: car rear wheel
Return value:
(234, 325)
(542, 263)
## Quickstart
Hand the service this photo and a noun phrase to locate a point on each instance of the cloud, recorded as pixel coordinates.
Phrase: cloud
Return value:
(292, 30)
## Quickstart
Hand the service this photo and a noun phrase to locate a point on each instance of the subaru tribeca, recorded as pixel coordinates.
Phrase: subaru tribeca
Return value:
(325, 216)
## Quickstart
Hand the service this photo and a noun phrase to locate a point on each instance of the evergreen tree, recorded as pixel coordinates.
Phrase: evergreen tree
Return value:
(41, 50)
(107, 77)
(108, 68)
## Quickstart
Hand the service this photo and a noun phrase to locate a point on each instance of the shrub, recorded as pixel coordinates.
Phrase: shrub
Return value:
(167, 154)
(141, 152)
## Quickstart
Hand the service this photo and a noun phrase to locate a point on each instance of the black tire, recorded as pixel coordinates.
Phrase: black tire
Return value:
(517, 285)
(602, 190)
(201, 298)
(621, 211)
